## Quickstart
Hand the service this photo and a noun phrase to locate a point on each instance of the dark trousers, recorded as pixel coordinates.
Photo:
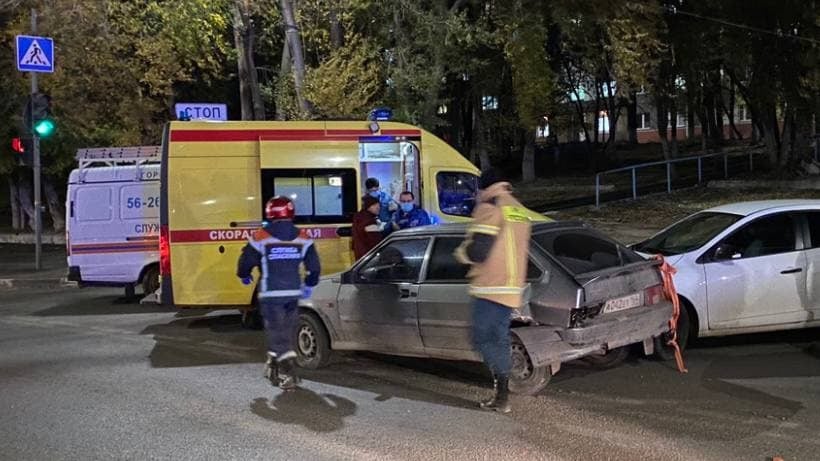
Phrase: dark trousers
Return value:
(280, 319)
(491, 335)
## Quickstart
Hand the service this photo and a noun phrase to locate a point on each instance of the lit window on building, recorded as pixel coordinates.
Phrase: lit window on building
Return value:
(603, 122)
(489, 103)
(442, 109)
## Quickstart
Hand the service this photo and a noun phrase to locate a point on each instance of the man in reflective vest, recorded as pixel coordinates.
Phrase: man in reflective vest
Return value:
(278, 251)
(496, 248)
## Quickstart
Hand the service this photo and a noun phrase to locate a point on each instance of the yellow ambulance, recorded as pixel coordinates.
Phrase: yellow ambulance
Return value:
(216, 178)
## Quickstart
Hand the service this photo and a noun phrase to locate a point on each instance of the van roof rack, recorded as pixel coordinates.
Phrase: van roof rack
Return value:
(114, 156)
(117, 156)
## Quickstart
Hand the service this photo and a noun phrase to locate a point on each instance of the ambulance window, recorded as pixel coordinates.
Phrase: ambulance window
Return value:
(93, 204)
(456, 192)
(321, 196)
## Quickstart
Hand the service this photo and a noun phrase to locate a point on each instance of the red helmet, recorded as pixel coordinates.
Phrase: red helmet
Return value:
(279, 207)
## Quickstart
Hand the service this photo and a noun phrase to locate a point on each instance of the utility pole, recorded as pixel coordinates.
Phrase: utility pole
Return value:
(35, 142)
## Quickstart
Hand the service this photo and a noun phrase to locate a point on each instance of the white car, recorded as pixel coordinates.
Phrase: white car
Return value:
(744, 267)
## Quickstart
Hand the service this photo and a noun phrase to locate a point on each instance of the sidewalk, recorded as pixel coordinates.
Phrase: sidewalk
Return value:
(17, 267)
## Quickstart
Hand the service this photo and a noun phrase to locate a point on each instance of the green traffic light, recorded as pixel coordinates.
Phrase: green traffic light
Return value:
(44, 127)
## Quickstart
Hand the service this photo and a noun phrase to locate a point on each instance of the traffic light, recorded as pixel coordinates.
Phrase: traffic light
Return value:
(25, 148)
(17, 145)
(37, 115)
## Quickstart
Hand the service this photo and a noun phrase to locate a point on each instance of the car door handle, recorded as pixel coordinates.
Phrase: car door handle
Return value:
(408, 292)
(791, 271)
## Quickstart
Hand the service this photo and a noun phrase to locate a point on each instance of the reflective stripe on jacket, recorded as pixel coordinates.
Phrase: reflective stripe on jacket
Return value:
(501, 276)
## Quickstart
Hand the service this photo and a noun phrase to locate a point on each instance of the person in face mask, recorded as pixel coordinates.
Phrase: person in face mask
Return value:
(409, 215)
(388, 205)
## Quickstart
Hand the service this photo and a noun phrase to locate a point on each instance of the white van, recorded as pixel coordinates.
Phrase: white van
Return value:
(112, 218)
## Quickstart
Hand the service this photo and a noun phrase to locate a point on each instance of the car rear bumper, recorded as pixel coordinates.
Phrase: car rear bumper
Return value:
(621, 328)
(550, 345)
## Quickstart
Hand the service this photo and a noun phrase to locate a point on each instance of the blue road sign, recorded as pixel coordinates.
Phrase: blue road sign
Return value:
(35, 54)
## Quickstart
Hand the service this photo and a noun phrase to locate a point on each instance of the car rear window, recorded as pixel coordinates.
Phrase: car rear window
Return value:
(582, 251)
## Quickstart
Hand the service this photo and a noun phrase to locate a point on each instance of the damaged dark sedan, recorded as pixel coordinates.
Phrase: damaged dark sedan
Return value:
(588, 297)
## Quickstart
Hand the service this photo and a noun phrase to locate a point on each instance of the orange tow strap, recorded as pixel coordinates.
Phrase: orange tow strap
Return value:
(667, 271)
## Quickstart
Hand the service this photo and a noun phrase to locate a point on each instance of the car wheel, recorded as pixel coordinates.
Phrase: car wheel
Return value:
(611, 359)
(525, 378)
(252, 319)
(666, 352)
(150, 280)
(312, 342)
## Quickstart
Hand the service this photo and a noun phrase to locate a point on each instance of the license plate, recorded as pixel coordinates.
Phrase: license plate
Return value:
(625, 302)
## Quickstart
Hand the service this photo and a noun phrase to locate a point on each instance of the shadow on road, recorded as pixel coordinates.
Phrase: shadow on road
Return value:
(220, 339)
(303, 407)
(102, 305)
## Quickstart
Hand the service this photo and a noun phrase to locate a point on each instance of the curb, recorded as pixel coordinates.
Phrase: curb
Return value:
(28, 238)
(795, 184)
(35, 284)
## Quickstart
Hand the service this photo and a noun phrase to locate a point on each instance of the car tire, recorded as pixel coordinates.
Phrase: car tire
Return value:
(525, 379)
(611, 359)
(665, 352)
(251, 319)
(312, 342)
(150, 280)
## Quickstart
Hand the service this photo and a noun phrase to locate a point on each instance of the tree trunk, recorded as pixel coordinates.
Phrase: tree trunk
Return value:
(284, 73)
(240, 14)
(528, 159)
(479, 147)
(55, 207)
(294, 41)
(24, 190)
(770, 134)
(14, 200)
(632, 118)
(662, 116)
(673, 142)
(337, 35)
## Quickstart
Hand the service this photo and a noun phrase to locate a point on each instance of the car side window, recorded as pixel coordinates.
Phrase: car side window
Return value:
(765, 236)
(444, 267)
(813, 219)
(398, 261)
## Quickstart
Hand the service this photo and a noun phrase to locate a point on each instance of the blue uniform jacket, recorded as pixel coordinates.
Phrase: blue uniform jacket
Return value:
(278, 251)
(416, 217)
(385, 200)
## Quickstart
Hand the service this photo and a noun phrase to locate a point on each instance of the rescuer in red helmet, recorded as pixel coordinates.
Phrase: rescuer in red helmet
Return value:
(278, 251)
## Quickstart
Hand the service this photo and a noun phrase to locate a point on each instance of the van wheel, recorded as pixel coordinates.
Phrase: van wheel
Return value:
(665, 352)
(150, 280)
(251, 319)
(525, 378)
(312, 342)
(611, 359)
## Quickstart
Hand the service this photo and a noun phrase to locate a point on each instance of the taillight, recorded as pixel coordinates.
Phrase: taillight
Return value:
(67, 243)
(653, 295)
(164, 251)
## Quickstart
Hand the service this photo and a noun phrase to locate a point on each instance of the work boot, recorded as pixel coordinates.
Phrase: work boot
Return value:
(287, 374)
(491, 400)
(501, 401)
(272, 369)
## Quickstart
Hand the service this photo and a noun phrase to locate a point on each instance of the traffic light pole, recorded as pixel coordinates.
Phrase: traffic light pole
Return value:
(38, 217)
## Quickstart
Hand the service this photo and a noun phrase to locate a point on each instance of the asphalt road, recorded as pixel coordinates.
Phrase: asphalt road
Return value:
(86, 375)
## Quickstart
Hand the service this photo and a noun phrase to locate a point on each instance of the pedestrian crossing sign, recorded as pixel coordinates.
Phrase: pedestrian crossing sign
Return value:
(35, 54)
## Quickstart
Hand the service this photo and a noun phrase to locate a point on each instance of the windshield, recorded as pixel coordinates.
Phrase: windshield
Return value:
(689, 234)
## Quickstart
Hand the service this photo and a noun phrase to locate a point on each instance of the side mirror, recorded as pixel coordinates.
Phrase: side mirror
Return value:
(726, 251)
(347, 277)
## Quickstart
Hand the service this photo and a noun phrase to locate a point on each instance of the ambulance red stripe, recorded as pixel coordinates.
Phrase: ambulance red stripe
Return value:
(279, 135)
(237, 234)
